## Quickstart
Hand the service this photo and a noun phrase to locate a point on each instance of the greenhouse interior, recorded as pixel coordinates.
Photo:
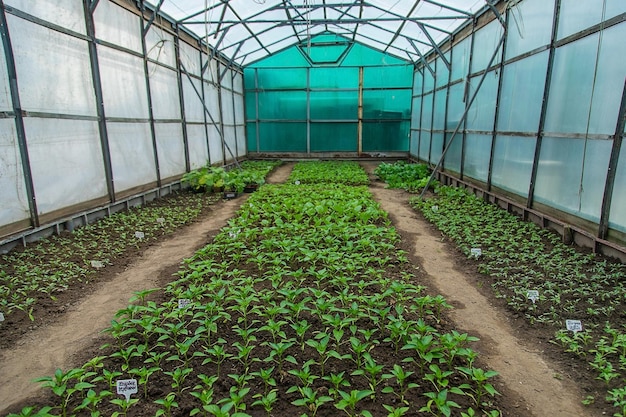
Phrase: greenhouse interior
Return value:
(108, 106)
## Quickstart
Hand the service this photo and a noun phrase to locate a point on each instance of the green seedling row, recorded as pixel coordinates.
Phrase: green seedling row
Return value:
(409, 177)
(324, 172)
(519, 256)
(302, 305)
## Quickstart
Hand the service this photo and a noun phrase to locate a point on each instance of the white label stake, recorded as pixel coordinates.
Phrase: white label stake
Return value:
(97, 264)
(532, 295)
(140, 235)
(1, 317)
(161, 220)
(126, 387)
(183, 302)
(476, 252)
(574, 325)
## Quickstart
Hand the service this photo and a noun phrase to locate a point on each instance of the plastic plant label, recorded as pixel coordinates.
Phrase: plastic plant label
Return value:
(97, 264)
(126, 387)
(532, 295)
(233, 235)
(476, 252)
(435, 208)
(574, 325)
(161, 220)
(1, 317)
(297, 182)
(183, 302)
(140, 235)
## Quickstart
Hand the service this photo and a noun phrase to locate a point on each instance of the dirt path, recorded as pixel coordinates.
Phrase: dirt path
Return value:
(521, 367)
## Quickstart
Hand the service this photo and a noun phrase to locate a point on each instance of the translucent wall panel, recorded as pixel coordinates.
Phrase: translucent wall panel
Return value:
(190, 59)
(251, 132)
(414, 142)
(485, 42)
(424, 145)
(216, 151)
(388, 77)
(456, 105)
(170, 148)
(334, 104)
(617, 217)
(576, 16)
(132, 155)
(482, 112)
(197, 143)
(227, 77)
(609, 81)
(65, 13)
(571, 175)
(418, 79)
(282, 137)
(230, 140)
(58, 150)
(530, 26)
(386, 104)
(240, 131)
(250, 99)
(574, 83)
(239, 109)
(210, 74)
(512, 163)
(332, 78)
(477, 154)
(442, 72)
(123, 84)
(286, 105)
(416, 112)
(5, 92)
(385, 136)
(429, 80)
(211, 101)
(439, 116)
(114, 24)
(460, 59)
(427, 111)
(54, 72)
(12, 188)
(329, 137)
(164, 91)
(238, 82)
(228, 115)
(160, 46)
(453, 156)
(194, 110)
(436, 147)
(522, 94)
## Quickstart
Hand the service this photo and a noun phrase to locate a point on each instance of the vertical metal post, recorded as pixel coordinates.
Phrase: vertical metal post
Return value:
(256, 104)
(360, 114)
(97, 84)
(544, 105)
(432, 114)
(603, 228)
(445, 116)
(181, 97)
(19, 119)
(232, 83)
(308, 110)
(146, 72)
(494, 135)
(419, 134)
(219, 104)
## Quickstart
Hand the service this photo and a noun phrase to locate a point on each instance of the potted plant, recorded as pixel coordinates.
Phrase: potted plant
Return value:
(233, 184)
(252, 181)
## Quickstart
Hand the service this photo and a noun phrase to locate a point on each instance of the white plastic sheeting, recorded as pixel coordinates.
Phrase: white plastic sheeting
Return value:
(66, 162)
(63, 13)
(164, 92)
(14, 201)
(171, 149)
(45, 85)
(117, 26)
(198, 151)
(132, 155)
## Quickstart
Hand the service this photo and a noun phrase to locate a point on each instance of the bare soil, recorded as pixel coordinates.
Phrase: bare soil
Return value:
(531, 383)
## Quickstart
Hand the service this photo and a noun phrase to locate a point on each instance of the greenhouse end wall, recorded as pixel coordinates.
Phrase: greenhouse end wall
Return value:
(97, 106)
(546, 125)
(331, 96)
